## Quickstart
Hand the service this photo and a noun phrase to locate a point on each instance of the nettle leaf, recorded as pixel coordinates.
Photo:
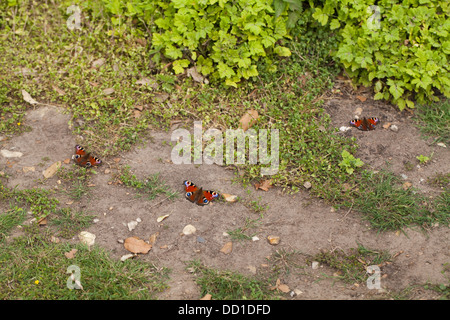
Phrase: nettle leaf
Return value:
(282, 51)
(254, 27)
(320, 16)
(179, 65)
(364, 61)
(334, 24)
(224, 70)
(205, 66)
(172, 52)
(395, 88)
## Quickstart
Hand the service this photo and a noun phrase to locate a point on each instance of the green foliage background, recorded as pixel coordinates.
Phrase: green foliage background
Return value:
(400, 47)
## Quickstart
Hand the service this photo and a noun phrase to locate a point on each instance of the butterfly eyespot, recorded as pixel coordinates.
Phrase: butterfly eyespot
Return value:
(205, 201)
(188, 194)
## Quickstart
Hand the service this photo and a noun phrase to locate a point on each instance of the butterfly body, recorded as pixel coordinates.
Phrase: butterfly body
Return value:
(198, 195)
(84, 159)
(365, 124)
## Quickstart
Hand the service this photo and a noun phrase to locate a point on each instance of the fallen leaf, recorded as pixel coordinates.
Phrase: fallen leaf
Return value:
(227, 248)
(229, 197)
(28, 169)
(50, 171)
(387, 125)
(162, 218)
(11, 154)
(70, 254)
(28, 98)
(273, 240)
(98, 63)
(407, 185)
(140, 108)
(283, 288)
(264, 185)
(55, 239)
(361, 98)
(206, 297)
(193, 73)
(42, 221)
(127, 256)
(108, 91)
(153, 237)
(136, 114)
(136, 245)
(148, 82)
(67, 161)
(248, 119)
(87, 238)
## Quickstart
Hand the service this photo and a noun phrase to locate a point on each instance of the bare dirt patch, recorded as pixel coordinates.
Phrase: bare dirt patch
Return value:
(305, 225)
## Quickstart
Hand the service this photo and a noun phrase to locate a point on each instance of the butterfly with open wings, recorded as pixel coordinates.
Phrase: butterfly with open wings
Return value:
(198, 195)
(365, 124)
(85, 159)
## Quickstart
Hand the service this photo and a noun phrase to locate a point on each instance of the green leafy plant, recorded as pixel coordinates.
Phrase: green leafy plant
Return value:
(423, 159)
(349, 162)
(399, 47)
(223, 39)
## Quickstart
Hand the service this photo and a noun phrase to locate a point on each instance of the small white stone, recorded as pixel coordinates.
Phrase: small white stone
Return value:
(189, 229)
(11, 154)
(315, 265)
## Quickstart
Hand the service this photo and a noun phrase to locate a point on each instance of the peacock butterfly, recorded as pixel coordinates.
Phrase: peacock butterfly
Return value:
(198, 195)
(85, 159)
(365, 124)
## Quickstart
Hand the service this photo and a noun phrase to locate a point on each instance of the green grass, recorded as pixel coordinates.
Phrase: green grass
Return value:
(352, 265)
(37, 200)
(70, 223)
(151, 187)
(388, 206)
(229, 285)
(434, 121)
(35, 268)
(10, 219)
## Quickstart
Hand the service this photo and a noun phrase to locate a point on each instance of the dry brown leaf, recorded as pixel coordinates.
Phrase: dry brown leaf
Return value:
(27, 97)
(108, 91)
(42, 221)
(192, 72)
(361, 98)
(70, 254)
(248, 119)
(407, 185)
(50, 171)
(136, 245)
(387, 125)
(227, 248)
(273, 240)
(229, 197)
(28, 169)
(153, 237)
(283, 288)
(67, 161)
(206, 297)
(264, 185)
